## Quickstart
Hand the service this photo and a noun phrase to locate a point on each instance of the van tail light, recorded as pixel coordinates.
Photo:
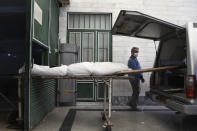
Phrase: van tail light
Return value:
(191, 86)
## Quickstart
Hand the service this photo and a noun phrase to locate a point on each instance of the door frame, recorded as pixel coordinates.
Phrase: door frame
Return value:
(95, 51)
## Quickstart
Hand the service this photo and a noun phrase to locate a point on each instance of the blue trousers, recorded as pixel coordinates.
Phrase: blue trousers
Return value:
(135, 83)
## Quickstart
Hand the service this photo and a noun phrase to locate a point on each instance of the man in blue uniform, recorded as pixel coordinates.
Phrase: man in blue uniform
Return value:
(135, 83)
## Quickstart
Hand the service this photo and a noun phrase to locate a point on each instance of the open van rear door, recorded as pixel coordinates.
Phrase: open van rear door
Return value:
(136, 24)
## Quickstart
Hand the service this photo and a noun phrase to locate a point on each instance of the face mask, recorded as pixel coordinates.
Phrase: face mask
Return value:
(135, 54)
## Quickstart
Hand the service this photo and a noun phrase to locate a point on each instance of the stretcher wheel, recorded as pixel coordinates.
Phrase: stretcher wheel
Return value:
(108, 128)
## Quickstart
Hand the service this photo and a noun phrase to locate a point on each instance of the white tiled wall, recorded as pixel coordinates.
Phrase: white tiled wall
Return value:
(175, 11)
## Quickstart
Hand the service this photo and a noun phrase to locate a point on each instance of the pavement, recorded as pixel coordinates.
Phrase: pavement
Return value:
(150, 118)
(88, 118)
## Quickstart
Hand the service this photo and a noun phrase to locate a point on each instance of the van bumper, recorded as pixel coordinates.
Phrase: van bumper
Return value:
(188, 109)
(183, 108)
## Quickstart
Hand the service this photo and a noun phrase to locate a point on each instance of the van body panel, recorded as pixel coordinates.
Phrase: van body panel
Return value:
(192, 48)
(177, 46)
(136, 24)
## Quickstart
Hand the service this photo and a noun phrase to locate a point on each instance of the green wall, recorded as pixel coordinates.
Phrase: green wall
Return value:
(41, 31)
(40, 94)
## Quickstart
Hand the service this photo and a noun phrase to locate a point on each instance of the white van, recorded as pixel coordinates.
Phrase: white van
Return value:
(175, 88)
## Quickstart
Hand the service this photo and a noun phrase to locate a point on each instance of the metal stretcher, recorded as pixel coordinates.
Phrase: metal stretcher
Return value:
(106, 115)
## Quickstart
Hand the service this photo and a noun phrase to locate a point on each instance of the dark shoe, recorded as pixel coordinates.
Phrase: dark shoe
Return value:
(177, 112)
(135, 109)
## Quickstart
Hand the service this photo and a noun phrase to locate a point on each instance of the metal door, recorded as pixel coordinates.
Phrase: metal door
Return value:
(66, 89)
(92, 35)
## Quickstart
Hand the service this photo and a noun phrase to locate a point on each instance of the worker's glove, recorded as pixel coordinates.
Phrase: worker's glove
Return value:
(142, 80)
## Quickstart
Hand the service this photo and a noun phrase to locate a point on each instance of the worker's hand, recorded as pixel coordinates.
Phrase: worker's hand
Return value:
(142, 80)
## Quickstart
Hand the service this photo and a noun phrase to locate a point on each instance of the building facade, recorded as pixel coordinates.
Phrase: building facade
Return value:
(175, 11)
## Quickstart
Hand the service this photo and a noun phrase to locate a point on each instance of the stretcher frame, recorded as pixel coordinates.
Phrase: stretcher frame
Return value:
(107, 84)
(107, 80)
(105, 115)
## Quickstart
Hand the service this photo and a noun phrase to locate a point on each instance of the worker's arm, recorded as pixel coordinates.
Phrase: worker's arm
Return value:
(131, 64)
(142, 79)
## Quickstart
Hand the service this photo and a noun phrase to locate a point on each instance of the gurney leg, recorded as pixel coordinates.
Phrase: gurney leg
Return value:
(104, 106)
(105, 95)
(108, 123)
(107, 115)
(20, 119)
(110, 93)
